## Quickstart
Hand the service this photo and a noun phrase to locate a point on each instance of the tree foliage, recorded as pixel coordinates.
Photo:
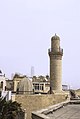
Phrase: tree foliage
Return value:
(9, 109)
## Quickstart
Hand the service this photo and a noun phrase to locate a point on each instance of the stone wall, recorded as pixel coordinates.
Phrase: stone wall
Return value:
(36, 102)
(77, 92)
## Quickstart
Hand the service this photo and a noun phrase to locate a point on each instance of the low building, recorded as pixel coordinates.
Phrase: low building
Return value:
(65, 87)
(2, 81)
(22, 84)
(41, 84)
(9, 85)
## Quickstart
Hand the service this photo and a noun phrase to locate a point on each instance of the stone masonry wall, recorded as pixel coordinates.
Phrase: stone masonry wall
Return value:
(36, 102)
(56, 74)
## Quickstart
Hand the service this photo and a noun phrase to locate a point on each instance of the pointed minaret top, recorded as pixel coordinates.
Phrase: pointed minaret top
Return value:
(55, 37)
(55, 34)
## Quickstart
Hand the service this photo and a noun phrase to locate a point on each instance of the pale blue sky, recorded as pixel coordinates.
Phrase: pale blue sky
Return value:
(26, 27)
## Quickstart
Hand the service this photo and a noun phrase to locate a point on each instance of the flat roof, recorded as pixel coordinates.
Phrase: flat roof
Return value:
(70, 111)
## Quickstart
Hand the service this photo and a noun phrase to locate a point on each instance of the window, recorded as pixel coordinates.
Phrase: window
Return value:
(36, 87)
(1, 84)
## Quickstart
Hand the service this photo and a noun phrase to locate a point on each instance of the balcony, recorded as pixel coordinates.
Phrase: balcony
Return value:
(51, 51)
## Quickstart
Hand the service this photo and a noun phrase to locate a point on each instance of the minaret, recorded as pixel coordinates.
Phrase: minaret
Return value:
(55, 54)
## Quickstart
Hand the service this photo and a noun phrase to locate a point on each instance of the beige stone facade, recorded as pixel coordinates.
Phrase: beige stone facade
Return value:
(36, 102)
(22, 84)
(56, 74)
(16, 79)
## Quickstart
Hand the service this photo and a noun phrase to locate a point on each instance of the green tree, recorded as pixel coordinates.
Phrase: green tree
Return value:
(9, 109)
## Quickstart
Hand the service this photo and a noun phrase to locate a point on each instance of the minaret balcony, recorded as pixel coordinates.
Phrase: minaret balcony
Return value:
(52, 52)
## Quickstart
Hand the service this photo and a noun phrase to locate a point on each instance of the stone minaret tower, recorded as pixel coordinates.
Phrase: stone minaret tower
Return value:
(55, 54)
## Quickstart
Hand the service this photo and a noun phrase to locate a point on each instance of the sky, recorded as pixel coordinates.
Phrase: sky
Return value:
(26, 28)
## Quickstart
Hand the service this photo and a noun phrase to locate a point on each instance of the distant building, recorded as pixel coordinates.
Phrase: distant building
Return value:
(32, 71)
(2, 81)
(65, 87)
(41, 84)
(22, 84)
